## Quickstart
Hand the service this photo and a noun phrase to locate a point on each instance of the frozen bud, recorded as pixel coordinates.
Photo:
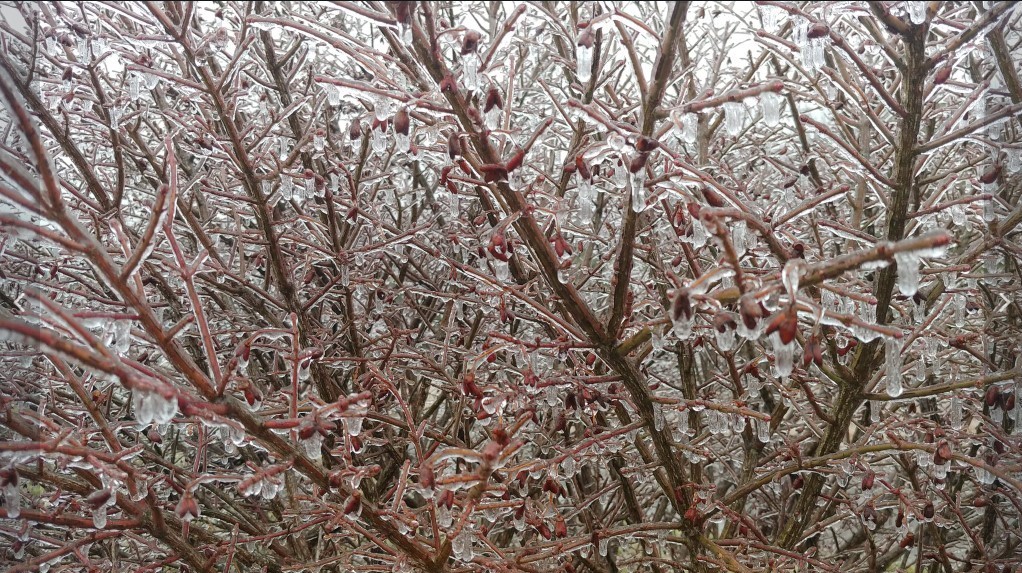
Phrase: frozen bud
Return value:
(785, 324)
(560, 528)
(99, 498)
(992, 397)
(586, 39)
(403, 12)
(448, 84)
(908, 541)
(491, 451)
(928, 510)
(638, 162)
(868, 479)
(943, 453)
(446, 499)
(354, 503)
(813, 351)
(493, 100)
(817, 30)
(470, 43)
(991, 174)
(355, 131)
(942, 75)
(724, 321)
(454, 146)
(187, 509)
(8, 477)
(681, 306)
(750, 310)
(646, 144)
(402, 122)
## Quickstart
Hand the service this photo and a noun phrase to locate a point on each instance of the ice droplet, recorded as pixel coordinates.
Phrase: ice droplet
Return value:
(763, 431)
(908, 272)
(892, 359)
(957, 413)
(771, 102)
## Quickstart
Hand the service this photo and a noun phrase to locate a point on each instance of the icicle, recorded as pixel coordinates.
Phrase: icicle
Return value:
(957, 413)
(763, 431)
(916, 12)
(920, 370)
(892, 358)
(699, 235)
(738, 235)
(379, 142)
(12, 500)
(771, 102)
(908, 272)
(382, 107)
(99, 517)
(637, 182)
(603, 546)
(133, 87)
(319, 142)
(333, 95)
(689, 127)
(725, 339)
(470, 71)
(813, 57)
(989, 206)
(784, 356)
(772, 17)
(734, 115)
(584, 60)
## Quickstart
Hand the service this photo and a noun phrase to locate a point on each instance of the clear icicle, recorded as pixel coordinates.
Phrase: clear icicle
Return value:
(916, 12)
(734, 116)
(771, 102)
(892, 358)
(99, 517)
(784, 358)
(957, 413)
(470, 72)
(738, 234)
(584, 58)
(637, 181)
(908, 272)
(772, 18)
(12, 500)
(689, 127)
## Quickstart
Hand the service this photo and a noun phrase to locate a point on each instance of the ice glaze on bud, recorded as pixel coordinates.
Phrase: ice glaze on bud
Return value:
(187, 509)
(942, 75)
(785, 324)
(817, 30)
(681, 306)
(454, 145)
(493, 100)
(750, 311)
(638, 162)
(402, 122)
(448, 84)
(8, 477)
(355, 131)
(868, 479)
(470, 43)
(98, 498)
(354, 503)
(943, 453)
(586, 39)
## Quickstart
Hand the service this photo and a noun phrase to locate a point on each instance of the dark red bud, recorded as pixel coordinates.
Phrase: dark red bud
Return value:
(402, 123)
(470, 43)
